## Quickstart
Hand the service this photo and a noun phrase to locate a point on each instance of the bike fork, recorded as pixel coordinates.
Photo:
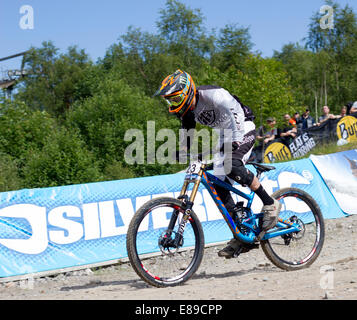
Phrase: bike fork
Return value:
(188, 204)
(182, 226)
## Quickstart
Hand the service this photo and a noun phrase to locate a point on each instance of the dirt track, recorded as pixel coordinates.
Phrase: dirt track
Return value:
(250, 277)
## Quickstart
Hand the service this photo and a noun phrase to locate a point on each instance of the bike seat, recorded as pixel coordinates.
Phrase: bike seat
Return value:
(261, 167)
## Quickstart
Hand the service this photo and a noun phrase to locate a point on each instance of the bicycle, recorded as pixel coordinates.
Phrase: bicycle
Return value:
(174, 250)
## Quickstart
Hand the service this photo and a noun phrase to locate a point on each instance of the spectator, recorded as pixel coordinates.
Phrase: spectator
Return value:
(288, 132)
(307, 120)
(326, 115)
(265, 135)
(351, 107)
(298, 121)
(343, 112)
(273, 132)
(292, 121)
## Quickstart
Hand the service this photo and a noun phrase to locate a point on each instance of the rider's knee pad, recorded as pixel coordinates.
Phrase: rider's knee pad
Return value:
(240, 173)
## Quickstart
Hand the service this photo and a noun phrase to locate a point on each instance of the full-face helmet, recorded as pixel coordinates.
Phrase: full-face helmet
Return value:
(178, 89)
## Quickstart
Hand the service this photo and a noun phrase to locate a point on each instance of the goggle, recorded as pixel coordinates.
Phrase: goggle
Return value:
(175, 101)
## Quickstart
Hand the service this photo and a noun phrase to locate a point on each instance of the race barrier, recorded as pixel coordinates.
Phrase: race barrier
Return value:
(342, 129)
(339, 172)
(49, 229)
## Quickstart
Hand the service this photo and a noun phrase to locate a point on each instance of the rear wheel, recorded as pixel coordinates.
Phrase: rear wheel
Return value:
(155, 249)
(300, 249)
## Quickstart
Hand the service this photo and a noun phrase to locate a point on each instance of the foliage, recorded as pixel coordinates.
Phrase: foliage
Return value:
(22, 129)
(39, 152)
(324, 72)
(104, 119)
(52, 78)
(9, 176)
(263, 85)
(63, 160)
(233, 46)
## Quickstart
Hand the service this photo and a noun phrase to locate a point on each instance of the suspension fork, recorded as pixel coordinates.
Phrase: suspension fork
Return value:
(187, 204)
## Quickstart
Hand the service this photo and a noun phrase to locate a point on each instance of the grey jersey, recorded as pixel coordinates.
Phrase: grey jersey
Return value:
(218, 109)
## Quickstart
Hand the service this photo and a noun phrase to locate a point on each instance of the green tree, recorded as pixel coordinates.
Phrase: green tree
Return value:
(53, 78)
(23, 129)
(186, 37)
(103, 120)
(337, 48)
(139, 58)
(9, 175)
(64, 160)
(145, 59)
(323, 73)
(263, 85)
(304, 69)
(233, 46)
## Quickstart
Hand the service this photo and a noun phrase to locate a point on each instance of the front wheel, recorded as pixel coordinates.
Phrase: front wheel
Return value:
(299, 249)
(157, 252)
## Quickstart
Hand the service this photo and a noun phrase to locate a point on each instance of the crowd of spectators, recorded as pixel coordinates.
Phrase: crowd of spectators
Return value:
(293, 126)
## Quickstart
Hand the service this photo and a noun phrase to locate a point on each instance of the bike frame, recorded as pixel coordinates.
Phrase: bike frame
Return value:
(251, 222)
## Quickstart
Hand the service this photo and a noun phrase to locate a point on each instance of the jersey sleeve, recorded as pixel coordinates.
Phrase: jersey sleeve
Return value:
(235, 114)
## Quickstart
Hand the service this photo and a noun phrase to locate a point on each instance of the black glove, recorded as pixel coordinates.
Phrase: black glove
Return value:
(235, 145)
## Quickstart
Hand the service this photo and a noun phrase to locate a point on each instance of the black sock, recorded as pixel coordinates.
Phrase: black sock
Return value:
(262, 194)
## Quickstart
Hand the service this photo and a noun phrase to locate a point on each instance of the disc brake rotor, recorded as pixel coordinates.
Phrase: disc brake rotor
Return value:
(295, 236)
(167, 243)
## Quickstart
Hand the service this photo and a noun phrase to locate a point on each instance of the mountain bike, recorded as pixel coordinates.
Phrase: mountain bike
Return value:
(172, 251)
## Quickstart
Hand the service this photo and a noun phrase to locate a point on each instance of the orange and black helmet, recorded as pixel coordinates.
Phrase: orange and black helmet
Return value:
(178, 89)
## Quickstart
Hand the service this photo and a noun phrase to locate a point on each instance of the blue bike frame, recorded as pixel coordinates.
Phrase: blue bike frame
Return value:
(252, 222)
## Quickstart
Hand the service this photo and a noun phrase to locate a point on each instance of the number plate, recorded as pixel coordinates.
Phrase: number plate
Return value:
(193, 170)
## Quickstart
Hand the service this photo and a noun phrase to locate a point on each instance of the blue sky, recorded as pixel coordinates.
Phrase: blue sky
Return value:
(95, 25)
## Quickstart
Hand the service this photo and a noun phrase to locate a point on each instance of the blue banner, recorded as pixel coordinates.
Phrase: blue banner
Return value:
(339, 171)
(54, 228)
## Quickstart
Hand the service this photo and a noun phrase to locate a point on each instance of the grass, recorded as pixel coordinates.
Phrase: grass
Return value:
(331, 148)
(328, 148)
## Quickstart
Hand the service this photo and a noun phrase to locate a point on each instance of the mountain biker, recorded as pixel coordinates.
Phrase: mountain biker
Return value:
(217, 108)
